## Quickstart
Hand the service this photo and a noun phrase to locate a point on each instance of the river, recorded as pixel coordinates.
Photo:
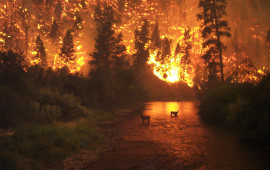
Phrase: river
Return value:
(182, 142)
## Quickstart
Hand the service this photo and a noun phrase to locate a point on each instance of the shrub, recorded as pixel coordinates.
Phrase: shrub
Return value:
(13, 108)
(50, 114)
(40, 146)
(244, 106)
(223, 104)
(70, 105)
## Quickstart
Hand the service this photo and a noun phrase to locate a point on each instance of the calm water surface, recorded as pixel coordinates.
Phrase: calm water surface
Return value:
(189, 142)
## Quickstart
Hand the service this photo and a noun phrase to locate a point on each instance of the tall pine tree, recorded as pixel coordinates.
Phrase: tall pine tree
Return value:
(177, 49)
(155, 38)
(165, 50)
(104, 47)
(186, 60)
(41, 52)
(67, 50)
(120, 55)
(55, 32)
(214, 28)
(58, 11)
(142, 50)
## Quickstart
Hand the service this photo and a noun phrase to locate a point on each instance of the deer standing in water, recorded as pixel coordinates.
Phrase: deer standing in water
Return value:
(174, 113)
(145, 117)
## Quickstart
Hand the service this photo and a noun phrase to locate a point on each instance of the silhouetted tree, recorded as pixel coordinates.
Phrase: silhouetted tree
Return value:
(119, 55)
(155, 38)
(165, 50)
(102, 55)
(55, 32)
(41, 52)
(24, 19)
(98, 13)
(11, 34)
(237, 47)
(142, 51)
(11, 67)
(186, 60)
(58, 11)
(101, 75)
(67, 50)
(214, 28)
(177, 49)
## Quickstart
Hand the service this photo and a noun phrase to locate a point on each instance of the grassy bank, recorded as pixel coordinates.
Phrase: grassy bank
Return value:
(47, 145)
(245, 107)
(44, 146)
(53, 114)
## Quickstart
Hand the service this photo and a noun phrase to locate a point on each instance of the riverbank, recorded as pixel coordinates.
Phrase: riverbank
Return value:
(243, 107)
(47, 146)
(111, 140)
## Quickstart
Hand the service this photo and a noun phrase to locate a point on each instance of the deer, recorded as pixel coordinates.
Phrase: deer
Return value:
(145, 117)
(174, 113)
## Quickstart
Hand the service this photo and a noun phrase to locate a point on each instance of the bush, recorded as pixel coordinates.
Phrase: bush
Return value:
(69, 105)
(224, 104)
(50, 114)
(13, 108)
(37, 146)
(243, 106)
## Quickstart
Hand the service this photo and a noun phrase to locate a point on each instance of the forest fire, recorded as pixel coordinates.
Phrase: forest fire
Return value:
(51, 19)
(80, 78)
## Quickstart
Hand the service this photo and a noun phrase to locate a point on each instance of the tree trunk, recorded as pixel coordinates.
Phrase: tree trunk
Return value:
(218, 44)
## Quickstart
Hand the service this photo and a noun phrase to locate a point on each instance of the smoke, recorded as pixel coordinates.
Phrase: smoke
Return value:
(249, 17)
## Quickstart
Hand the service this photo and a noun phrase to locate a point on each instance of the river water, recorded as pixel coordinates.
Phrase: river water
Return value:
(182, 142)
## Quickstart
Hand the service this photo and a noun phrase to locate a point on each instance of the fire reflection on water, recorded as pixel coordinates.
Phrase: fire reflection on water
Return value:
(190, 142)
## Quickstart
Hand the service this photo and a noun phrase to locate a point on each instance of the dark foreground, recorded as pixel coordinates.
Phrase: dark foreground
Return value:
(182, 142)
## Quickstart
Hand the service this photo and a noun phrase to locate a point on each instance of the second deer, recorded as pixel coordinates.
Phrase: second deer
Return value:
(145, 117)
(174, 113)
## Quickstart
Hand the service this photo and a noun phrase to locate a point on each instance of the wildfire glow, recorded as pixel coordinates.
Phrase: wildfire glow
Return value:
(38, 21)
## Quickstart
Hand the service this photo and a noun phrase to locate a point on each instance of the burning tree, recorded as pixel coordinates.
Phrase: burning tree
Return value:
(214, 28)
(155, 38)
(67, 50)
(185, 60)
(268, 45)
(58, 11)
(40, 53)
(55, 32)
